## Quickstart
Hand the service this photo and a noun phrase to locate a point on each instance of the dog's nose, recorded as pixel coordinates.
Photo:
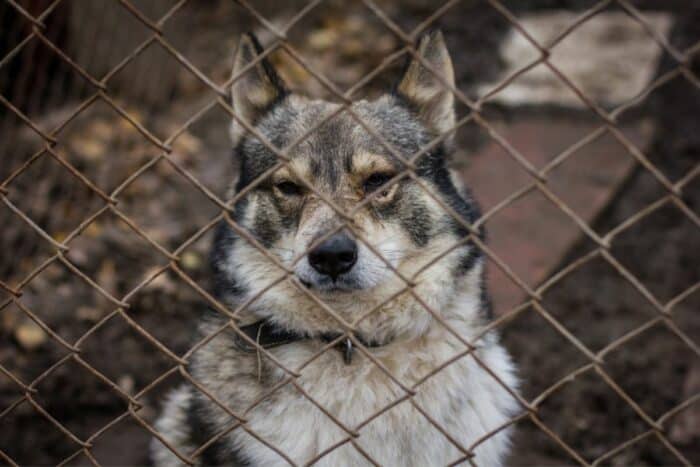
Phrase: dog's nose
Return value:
(336, 255)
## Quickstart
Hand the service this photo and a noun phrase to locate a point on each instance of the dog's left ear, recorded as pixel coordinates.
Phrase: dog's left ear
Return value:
(424, 90)
(258, 89)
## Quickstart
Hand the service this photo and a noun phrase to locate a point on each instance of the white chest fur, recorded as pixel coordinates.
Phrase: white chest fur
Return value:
(462, 399)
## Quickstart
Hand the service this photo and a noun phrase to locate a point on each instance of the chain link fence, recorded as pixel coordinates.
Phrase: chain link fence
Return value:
(165, 151)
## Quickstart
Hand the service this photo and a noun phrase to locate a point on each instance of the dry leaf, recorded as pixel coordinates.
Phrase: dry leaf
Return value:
(87, 313)
(126, 383)
(94, 229)
(187, 144)
(59, 236)
(101, 129)
(91, 149)
(322, 39)
(29, 335)
(161, 282)
(191, 260)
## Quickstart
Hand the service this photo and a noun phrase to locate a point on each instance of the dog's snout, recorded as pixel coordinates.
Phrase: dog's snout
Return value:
(335, 256)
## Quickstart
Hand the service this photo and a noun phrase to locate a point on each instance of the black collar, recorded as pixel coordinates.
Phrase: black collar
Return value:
(267, 335)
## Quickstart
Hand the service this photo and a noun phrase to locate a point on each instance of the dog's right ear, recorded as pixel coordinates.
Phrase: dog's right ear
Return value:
(258, 89)
(425, 89)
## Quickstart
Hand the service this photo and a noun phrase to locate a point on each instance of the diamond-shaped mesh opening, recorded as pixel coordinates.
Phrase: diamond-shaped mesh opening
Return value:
(35, 75)
(131, 377)
(80, 305)
(72, 387)
(594, 402)
(128, 249)
(519, 333)
(167, 91)
(29, 357)
(210, 52)
(59, 203)
(542, 448)
(103, 145)
(165, 222)
(514, 226)
(590, 177)
(205, 147)
(21, 449)
(177, 306)
(194, 263)
(680, 359)
(344, 44)
(647, 449)
(480, 157)
(679, 234)
(111, 29)
(588, 312)
(125, 432)
(31, 349)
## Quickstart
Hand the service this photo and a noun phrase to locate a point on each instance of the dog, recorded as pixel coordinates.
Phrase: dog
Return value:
(356, 286)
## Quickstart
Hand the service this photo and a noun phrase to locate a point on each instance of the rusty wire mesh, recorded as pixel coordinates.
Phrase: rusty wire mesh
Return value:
(99, 91)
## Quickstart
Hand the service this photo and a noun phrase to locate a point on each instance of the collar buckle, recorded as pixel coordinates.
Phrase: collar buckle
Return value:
(347, 350)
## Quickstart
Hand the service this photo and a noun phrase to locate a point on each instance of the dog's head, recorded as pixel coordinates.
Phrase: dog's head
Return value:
(344, 214)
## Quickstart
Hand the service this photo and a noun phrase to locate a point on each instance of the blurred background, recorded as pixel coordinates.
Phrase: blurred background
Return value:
(625, 58)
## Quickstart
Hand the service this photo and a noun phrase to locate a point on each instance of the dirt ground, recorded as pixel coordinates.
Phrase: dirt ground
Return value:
(595, 303)
(598, 305)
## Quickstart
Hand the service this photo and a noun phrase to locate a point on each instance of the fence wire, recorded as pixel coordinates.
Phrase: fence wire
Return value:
(100, 92)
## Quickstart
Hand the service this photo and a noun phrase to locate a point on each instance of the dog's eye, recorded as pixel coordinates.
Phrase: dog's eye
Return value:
(375, 181)
(288, 188)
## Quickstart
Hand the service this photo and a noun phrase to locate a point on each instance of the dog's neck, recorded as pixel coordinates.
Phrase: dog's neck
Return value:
(267, 334)
(404, 319)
